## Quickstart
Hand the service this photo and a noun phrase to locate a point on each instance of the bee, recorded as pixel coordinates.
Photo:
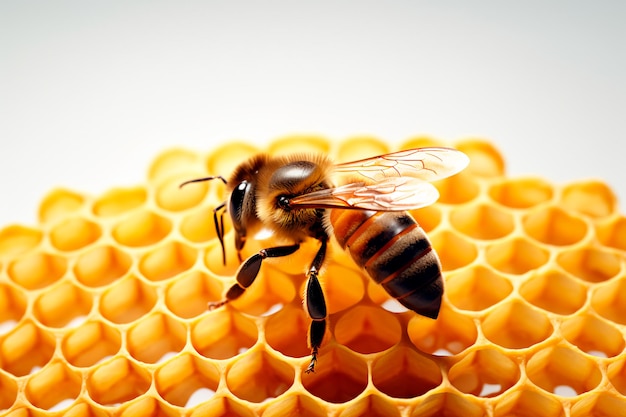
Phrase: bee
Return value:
(295, 198)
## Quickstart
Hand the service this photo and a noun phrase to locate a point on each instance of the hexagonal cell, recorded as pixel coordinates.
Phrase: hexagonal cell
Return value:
(102, 265)
(339, 377)
(51, 307)
(449, 404)
(180, 378)
(450, 334)
(292, 404)
(223, 333)
(486, 160)
(59, 203)
(613, 233)
(600, 405)
(286, 331)
(257, 376)
(591, 198)
(173, 162)
(299, 144)
(222, 406)
(554, 291)
(360, 147)
(271, 290)
(590, 264)
(516, 256)
(119, 201)
(557, 367)
(458, 189)
(521, 193)
(127, 300)
(428, 217)
(190, 295)
(593, 335)
(515, 325)
(117, 381)
(167, 261)
(343, 287)
(484, 372)
(476, 288)
(37, 270)
(610, 301)
(8, 391)
(90, 343)
(74, 233)
(371, 406)
(224, 159)
(16, 239)
(172, 197)
(55, 386)
(367, 329)
(405, 373)
(199, 226)
(526, 402)
(555, 226)
(146, 406)
(616, 372)
(26, 349)
(13, 304)
(142, 228)
(482, 221)
(155, 337)
(454, 250)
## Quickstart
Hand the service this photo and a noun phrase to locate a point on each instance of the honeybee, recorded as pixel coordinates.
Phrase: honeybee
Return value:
(295, 197)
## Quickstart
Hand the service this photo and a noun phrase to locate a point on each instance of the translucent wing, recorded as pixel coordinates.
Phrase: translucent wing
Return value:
(389, 194)
(427, 164)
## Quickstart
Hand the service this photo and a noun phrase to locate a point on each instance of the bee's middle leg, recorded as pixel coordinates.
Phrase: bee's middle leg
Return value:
(316, 306)
(249, 270)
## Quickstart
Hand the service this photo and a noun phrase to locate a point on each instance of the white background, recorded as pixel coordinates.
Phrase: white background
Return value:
(91, 92)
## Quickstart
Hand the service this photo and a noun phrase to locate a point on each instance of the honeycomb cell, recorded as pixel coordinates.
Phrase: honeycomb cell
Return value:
(182, 377)
(127, 300)
(556, 368)
(118, 201)
(74, 233)
(458, 189)
(421, 141)
(405, 373)
(58, 204)
(142, 228)
(486, 160)
(343, 287)
(516, 256)
(427, 217)
(26, 349)
(155, 337)
(367, 329)
(13, 304)
(370, 406)
(590, 264)
(482, 221)
(8, 391)
(299, 143)
(223, 334)
(258, 376)
(146, 406)
(485, 372)
(616, 372)
(172, 197)
(448, 404)
(555, 292)
(16, 239)
(286, 331)
(53, 387)
(117, 381)
(90, 343)
(224, 406)
(199, 226)
(167, 261)
(293, 405)
(339, 377)
(271, 290)
(610, 301)
(190, 295)
(37, 270)
(591, 198)
(613, 233)
(450, 334)
(173, 162)
(554, 226)
(454, 250)
(521, 193)
(102, 265)
(593, 335)
(601, 405)
(360, 147)
(515, 325)
(476, 288)
(527, 402)
(51, 307)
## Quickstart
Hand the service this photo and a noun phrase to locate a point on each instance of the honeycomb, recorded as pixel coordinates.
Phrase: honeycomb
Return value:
(103, 306)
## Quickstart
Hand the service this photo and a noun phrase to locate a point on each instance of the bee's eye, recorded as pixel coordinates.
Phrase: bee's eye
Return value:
(283, 202)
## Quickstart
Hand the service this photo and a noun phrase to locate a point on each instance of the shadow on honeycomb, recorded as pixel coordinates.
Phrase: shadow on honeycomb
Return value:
(103, 306)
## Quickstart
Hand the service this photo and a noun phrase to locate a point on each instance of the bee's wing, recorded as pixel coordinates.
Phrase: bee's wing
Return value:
(390, 194)
(427, 164)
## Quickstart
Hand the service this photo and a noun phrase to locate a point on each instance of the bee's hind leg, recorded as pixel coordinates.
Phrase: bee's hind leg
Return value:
(316, 306)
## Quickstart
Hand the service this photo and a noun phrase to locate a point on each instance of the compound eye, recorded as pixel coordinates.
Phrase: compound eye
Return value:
(283, 202)
(236, 206)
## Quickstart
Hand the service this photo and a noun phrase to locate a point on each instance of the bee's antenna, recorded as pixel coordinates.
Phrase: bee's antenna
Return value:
(219, 177)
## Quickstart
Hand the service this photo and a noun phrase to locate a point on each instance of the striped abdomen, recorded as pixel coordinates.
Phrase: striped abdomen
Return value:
(396, 253)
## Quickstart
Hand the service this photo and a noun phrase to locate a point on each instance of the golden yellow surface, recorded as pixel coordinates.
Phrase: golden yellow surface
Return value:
(103, 306)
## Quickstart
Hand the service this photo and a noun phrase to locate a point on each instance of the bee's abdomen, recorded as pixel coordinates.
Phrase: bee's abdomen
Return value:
(396, 253)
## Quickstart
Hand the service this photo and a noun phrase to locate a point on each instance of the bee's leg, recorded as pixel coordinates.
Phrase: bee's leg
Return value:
(249, 270)
(316, 306)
